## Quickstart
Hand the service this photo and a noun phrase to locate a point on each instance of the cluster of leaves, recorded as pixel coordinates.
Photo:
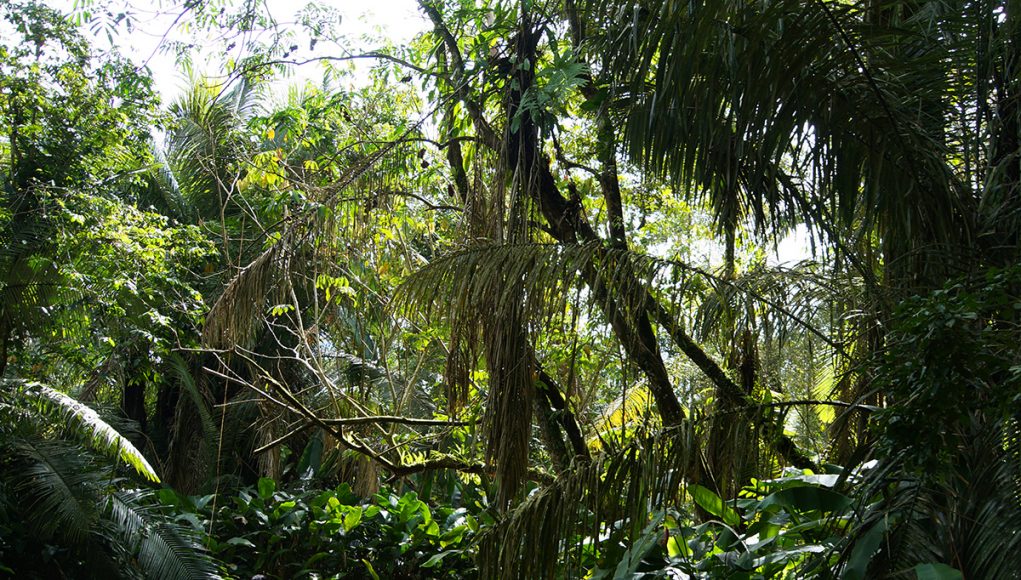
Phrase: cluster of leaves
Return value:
(333, 533)
(796, 526)
(952, 361)
(779, 528)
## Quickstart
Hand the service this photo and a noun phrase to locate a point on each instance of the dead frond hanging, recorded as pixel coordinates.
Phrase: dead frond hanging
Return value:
(234, 318)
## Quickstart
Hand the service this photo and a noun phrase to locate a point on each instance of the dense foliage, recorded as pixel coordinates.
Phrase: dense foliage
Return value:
(332, 533)
(508, 300)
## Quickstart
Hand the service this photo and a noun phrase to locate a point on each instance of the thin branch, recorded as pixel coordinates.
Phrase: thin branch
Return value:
(367, 55)
(398, 420)
(438, 463)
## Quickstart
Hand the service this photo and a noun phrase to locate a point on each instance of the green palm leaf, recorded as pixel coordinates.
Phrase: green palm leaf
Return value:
(162, 550)
(56, 485)
(56, 408)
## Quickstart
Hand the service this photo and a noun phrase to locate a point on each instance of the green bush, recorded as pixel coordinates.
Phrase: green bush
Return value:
(330, 534)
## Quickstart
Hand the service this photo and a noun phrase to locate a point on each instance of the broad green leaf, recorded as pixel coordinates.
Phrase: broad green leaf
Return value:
(437, 559)
(628, 565)
(266, 487)
(937, 572)
(863, 551)
(352, 518)
(807, 498)
(240, 542)
(710, 502)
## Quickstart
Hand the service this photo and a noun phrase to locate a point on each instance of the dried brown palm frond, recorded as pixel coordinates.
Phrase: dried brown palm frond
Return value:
(508, 418)
(492, 313)
(237, 314)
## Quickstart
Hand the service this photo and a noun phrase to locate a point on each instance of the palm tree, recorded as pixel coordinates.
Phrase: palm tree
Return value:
(61, 489)
(889, 129)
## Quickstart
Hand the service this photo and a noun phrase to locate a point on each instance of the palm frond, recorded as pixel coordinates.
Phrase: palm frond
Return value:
(489, 279)
(599, 504)
(200, 402)
(207, 144)
(968, 519)
(57, 486)
(787, 299)
(238, 313)
(787, 111)
(86, 426)
(622, 412)
(161, 549)
(531, 283)
(483, 281)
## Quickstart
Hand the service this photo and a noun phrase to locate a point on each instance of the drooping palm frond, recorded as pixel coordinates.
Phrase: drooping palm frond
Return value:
(53, 408)
(785, 300)
(832, 113)
(496, 284)
(161, 549)
(532, 282)
(201, 403)
(237, 314)
(603, 503)
(488, 279)
(483, 281)
(57, 487)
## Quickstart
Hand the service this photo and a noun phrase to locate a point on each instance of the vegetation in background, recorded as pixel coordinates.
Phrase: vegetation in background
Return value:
(508, 304)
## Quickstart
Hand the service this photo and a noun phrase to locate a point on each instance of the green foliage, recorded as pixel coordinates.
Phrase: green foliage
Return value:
(355, 245)
(331, 533)
(948, 439)
(782, 528)
(82, 266)
(65, 511)
(951, 361)
(44, 408)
